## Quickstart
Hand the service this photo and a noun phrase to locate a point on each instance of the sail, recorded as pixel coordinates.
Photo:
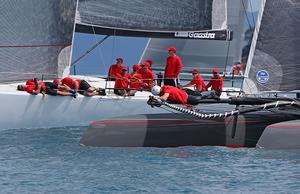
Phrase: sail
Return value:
(275, 64)
(35, 38)
(205, 54)
(150, 17)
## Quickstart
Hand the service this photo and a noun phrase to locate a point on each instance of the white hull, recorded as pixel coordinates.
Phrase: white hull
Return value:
(22, 110)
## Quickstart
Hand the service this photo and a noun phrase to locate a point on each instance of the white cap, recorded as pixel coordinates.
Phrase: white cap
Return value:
(155, 90)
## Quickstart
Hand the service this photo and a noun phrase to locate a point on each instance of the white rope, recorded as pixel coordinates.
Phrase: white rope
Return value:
(233, 112)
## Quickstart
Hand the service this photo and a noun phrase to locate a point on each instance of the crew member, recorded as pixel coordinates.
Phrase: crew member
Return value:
(82, 86)
(197, 82)
(136, 80)
(216, 83)
(115, 69)
(172, 68)
(122, 82)
(149, 79)
(175, 95)
(35, 87)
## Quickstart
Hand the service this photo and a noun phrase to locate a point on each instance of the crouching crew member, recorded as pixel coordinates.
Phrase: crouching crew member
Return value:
(149, 79)
(122, 82)
(136, 80)
(197, 82)
(216, 83)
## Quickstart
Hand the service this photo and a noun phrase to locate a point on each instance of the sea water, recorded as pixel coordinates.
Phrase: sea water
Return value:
(52, 161)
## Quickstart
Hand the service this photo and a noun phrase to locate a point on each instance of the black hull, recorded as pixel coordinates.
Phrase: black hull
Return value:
(173, 130)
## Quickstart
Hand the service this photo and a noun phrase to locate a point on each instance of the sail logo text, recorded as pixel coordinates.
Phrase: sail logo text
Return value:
(198, 35)
(201, 35)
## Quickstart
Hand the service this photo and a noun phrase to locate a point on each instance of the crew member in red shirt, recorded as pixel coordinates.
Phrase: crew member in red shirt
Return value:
(35, 87)
(236, 69)
(150, 64)
(115, 69)
(198, 82)
(173, 67)
(175, 95)
(149, 79)
(122, 82)
(82, 86)
(136, 80)
(216, 83)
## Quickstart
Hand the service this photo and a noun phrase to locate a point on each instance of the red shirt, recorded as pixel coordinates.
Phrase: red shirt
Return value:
(122, 83)
(136, 80)
(148, 77)
(69, 82)
(176, 95)
(31, 86)
(115, 70)
(216, 83)
(173, 67)
(198, 81)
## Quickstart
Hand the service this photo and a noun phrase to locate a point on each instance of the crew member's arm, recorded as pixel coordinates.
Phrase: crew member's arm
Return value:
(165, 96)
(209, 84)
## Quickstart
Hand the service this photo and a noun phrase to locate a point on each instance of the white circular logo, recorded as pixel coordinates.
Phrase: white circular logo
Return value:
(262, 76)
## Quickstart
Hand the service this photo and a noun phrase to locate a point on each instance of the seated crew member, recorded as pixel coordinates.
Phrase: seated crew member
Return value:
(216, 83)
(150, 64)
(149, 79)
(82, 86)
(136, 80)
(35, 87)
(122, 82)
(115, 69)
(236, 69)
(172, 68)
(175, 95)
(198, 82)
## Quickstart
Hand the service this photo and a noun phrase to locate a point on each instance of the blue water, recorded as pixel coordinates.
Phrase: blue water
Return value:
(52, 161)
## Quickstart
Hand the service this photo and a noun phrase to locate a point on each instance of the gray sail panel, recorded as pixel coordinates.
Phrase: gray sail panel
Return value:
(33, 33)
(276, 60)
(205, 54)
(191, 53)
(147, 15)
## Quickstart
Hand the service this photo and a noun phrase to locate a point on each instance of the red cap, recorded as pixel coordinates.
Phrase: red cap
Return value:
(124, 68)
(56, 81)
(150, 62)
(215, 70)
(195, 71)
(145, 63)
(172, 49)
(120, 59)
(136, 67)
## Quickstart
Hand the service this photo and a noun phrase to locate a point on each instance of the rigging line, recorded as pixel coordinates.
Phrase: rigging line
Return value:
(245, 11)
(226, 59)
(89, 50)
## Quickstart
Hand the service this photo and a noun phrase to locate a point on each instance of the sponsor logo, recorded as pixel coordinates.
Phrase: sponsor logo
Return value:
(262, 76)
(198, 35)
(202, 35)
(182, 34)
